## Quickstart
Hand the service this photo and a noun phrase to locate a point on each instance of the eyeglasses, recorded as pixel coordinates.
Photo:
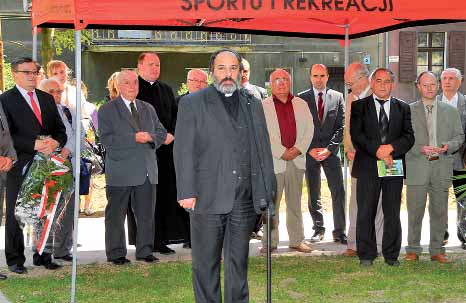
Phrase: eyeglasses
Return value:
(198, 81)
(58, 91)
(27, 72)
(350, 84)
(278, 80)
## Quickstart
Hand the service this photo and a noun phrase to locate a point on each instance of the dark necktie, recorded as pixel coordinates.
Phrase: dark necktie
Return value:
(135, 114)
(67, 113)
(383, 122)
(321, 106)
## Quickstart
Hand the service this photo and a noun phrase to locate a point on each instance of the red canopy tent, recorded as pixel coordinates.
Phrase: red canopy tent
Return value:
(306, 18)
(335, 19)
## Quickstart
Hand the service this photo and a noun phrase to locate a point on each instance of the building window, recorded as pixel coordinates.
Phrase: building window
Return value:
(430, 52)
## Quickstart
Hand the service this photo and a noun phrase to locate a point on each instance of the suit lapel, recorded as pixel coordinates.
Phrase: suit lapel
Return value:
(372, 113)
(26, 109)
(217, 109)
(313, 107)
(420, 117)
(124, 112)
(329, 103)
(394, 116)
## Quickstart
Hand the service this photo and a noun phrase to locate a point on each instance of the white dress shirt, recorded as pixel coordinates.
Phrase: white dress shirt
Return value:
(26, 97)
(386, 106)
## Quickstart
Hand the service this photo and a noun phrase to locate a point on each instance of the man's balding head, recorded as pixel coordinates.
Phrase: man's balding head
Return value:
(196, 80)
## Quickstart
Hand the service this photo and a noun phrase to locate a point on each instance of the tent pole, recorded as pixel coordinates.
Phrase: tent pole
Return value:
(34, 43)
(387, 61)
(345, 159)
(77, 38)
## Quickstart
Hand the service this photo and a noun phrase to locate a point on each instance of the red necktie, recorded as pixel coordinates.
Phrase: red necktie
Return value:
(35, 107)
(321, 106)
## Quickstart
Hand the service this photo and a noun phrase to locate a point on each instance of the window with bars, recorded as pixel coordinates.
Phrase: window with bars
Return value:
(430, 52)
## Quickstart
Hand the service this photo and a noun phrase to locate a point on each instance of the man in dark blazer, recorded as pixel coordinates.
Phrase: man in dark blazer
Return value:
(7, 156)
(224, 175)
(380, 130)
(327, 109)
(30, 113)
(130, 131)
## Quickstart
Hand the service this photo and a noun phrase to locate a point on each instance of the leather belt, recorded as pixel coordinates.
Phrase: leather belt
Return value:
(433, 158)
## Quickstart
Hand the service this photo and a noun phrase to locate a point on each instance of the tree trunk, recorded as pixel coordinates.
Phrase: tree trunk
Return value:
(47, 50)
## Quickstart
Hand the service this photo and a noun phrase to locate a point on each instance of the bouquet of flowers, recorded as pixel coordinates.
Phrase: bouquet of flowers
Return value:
(43, 196)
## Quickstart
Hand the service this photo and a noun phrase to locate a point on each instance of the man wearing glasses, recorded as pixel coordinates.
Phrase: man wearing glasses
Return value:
(195, 80)
(290, 127)
(25, 103)
(357, 82)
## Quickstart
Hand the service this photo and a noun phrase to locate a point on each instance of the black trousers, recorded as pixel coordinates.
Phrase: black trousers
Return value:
(209, 234)
(142, 201)
(367, 195)
(332, 170)
(14, 239)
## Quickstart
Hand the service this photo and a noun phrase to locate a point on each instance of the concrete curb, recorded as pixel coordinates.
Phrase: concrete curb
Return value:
(3, 299)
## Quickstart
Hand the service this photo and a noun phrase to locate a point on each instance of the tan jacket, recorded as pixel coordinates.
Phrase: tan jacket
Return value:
(348, 145)
(304, 132)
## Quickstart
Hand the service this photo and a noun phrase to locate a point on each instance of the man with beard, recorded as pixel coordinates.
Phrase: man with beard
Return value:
(169, 226)
(224, 175)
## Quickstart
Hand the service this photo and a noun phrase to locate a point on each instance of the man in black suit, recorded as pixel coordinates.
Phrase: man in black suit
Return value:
(225, 176)
(327, 109)
(380, 130)
(30, 113)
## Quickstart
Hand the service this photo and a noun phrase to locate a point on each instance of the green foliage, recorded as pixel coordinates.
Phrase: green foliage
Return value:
(306, 279)
(64, 39)
(7, 76)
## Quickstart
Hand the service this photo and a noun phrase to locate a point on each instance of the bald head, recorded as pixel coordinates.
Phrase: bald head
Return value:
(196, 80)
(319, 76)
(357, 77)
(281, 83)
(246, 72)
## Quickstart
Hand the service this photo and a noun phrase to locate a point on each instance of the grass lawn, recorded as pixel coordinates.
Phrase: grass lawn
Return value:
(295, 279)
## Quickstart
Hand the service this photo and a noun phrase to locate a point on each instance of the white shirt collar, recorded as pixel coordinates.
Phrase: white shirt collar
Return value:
(316, 92)
(127, 103)
(453, 101)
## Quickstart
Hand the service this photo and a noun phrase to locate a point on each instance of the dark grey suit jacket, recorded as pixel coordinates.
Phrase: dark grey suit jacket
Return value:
(203, 152)
(328, 134)
(127, 162)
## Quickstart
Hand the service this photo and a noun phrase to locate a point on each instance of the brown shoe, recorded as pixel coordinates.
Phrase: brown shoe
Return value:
(411, 257)
(350, 253)
(302, 247)
(440, 258)
(263, 250)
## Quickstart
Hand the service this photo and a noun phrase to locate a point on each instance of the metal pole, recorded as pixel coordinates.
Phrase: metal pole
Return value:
(34, 43)
(77, 38)
(345, 159)
(387, 61)
(269, 253)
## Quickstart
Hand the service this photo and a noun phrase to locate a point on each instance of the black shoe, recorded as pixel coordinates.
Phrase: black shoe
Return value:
(18, 269)
(51, 265)
(445, 237)
(318, 235)
(366, 262)
(187, 245)
(148, 259)
(392, 262)
(2, 277)
(341, 238)
(164, 250)
(67, 258)
(119, 261)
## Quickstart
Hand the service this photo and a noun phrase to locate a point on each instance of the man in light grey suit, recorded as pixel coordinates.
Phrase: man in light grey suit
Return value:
(438, 135)
(357, 80)
(327, 109)
(224, 177)
(7, 156)
(130, 131)
(63, 237)
(451, 81)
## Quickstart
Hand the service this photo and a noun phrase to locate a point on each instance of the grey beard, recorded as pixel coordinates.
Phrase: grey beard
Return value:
(226, 90)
